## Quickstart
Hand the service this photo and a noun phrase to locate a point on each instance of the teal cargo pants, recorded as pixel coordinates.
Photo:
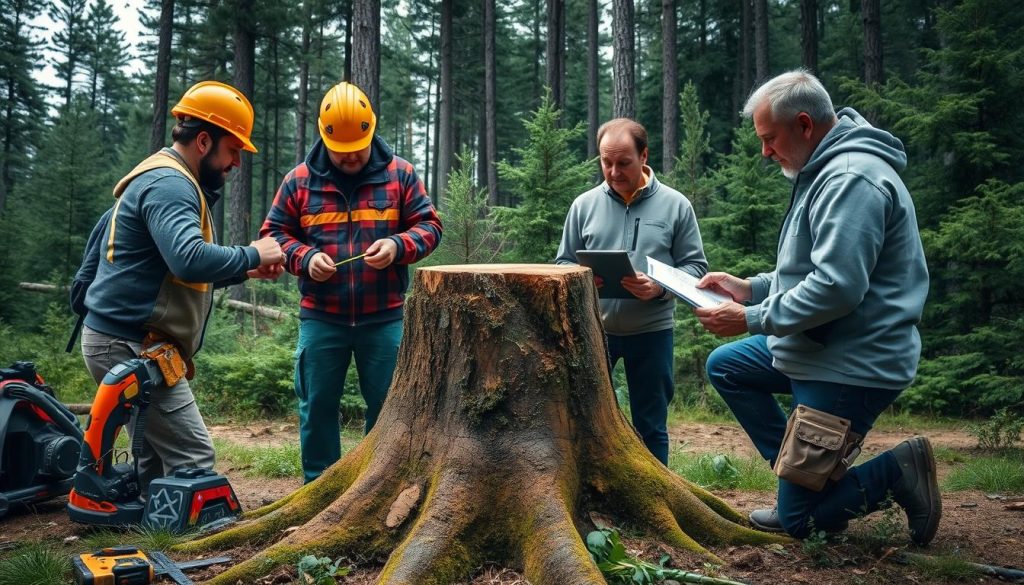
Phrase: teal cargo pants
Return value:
(322, 357)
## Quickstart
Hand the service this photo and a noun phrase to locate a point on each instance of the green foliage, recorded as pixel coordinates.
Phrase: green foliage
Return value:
(719, 471)
(886, 530)
(945, 568)
(470, 233)
(815, 547)
(138, 536)
(35, 565)
(618, 567)
(689, 172)
(999, 432)
(1002, 474)
(254, 380)
(546, 177)
(315, 570)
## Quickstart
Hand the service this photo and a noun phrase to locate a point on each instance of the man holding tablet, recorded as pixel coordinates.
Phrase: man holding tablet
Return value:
(632, 211)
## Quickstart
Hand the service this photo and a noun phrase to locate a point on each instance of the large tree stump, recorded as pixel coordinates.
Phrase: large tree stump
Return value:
(500, 433)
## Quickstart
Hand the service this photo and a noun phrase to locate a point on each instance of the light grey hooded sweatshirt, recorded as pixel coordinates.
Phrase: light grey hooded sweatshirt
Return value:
(850, 283)
(659, 223)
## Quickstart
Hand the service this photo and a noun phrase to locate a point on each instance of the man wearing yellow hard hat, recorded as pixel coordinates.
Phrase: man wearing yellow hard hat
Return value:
(151, 265)
(350, 220)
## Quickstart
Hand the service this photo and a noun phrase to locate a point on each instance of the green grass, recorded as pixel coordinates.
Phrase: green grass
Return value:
(138, 536)
(945, 568)
(948, 455)
(35, 564)
(724, 471)
(269, 461)
(1003, 473)
(687, 414)
(905, 421)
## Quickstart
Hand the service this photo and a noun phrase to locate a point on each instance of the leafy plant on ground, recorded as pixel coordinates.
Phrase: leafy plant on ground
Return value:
(999, 432)
(882, 532)
(619, 568)
(315, 570)
(815, 547)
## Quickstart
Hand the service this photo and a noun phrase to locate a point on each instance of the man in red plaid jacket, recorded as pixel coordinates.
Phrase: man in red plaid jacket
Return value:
(350, 219)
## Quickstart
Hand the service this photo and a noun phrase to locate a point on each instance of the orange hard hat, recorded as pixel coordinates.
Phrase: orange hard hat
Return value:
(221, 105)
(346, 119)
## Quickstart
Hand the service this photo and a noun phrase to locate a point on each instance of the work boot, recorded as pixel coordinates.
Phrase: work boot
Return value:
(917, 492)
(767, 520)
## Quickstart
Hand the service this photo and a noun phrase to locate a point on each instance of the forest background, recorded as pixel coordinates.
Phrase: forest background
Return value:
(496, 104)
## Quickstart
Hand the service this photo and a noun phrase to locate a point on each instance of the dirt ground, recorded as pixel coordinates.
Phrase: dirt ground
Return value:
(976, 527)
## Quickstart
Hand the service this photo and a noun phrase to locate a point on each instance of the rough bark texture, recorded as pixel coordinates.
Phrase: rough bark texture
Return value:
(871, 12)
(158, 131)
(809, 34)
(592, 78)
(623, 37)
(366, 49)
(670, 87)
(445, 133)
(302, 105)
(500, 433)
(760, 41)
(490, 103)
(553, 55)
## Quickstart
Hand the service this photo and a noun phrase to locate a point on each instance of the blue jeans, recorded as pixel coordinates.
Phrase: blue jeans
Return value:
(742, 373)
(322, 357)
(647, 358)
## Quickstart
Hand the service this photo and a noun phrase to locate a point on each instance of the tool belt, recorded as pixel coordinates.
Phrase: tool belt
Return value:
(817, 447)
(168, 358)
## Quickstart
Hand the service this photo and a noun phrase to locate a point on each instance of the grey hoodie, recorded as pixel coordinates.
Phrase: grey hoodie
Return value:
(659, 223)
(850, 283)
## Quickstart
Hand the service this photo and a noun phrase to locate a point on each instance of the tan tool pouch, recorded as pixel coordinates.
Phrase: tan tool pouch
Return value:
(168, 358)
(817, 447)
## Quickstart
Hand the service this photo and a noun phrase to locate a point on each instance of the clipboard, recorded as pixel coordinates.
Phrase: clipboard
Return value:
(611, 266)
(683, 285)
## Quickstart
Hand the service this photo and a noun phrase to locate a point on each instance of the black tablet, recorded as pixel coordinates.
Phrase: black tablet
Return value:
(611, 266)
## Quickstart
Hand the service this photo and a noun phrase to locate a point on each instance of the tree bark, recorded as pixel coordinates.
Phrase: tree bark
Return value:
(366, 49)
(490, 102)
(302, 106)
(593, 81)
(746, 26)
(809, 34)
(240, 201)
(871, 12)
(760, 41)
(158, 131)
(499, 435)
(445, 143)
(670, 87)
(555, 40)
(623, 41)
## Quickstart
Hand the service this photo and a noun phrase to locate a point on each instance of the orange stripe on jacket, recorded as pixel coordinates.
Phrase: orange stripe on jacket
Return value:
(343, 216)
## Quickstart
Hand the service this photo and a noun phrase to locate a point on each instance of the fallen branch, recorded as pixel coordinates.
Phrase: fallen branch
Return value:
(232, 304)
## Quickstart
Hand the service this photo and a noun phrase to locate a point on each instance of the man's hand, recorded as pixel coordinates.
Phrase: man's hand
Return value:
(381, 253)
(725, 320)
(321, 267)
(269, 250)
(642, 287)
(269, 272)
(726, 284)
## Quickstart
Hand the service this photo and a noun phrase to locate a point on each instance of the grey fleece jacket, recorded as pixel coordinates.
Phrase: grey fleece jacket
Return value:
(850, 283)
(659, 223)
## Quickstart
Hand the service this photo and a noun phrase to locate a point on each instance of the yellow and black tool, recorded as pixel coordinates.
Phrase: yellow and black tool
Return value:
(127, 565)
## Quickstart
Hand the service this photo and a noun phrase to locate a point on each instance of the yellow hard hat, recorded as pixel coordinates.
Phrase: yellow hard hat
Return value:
(346, 119)
(221, 105)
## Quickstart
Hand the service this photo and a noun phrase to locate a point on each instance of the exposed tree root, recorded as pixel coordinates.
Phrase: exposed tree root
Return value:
(499, 436)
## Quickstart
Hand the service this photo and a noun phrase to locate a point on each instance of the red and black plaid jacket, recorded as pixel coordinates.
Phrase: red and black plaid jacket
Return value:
(311, 214)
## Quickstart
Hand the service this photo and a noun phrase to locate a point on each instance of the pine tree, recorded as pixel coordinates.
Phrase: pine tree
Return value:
(470, 233)
(68, 42)
(547, 176)
(105, 56)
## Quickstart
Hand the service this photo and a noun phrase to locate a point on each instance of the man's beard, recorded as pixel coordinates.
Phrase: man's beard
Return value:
(211, 178)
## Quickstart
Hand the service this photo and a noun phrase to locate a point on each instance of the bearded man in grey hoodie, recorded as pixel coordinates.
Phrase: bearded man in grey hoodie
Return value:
(834, 325)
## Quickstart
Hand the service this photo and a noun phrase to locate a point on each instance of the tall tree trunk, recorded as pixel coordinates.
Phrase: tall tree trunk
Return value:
(499, 434)
(491, 101)
(593, 81)
(302, 106)
(366, 49)
(761, 71)
(537, 52)
(348, 40)
(623, 38)
(445, 138)
(670, 87)
(871, 12)
(809, 34)
(158, 130)
(240, 201)
(553, 54)
(746, 47)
